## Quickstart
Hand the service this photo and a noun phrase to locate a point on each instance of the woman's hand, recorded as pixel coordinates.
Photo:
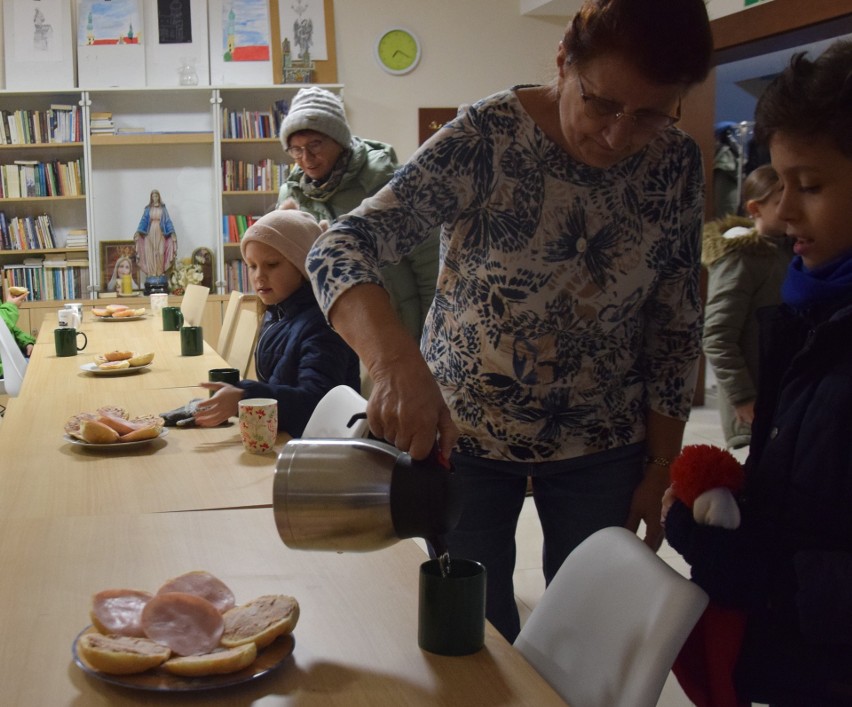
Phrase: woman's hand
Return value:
(668, 502)
(406, 408)
(222, 406)
(647, 506)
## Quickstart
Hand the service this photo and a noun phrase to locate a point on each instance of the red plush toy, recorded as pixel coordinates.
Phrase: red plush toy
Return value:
(706, 479)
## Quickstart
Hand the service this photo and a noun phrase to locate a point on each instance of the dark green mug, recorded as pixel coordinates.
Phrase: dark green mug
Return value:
(65, 339)
(172, 319)
(231, 376)
(451, 612)
(191, 341)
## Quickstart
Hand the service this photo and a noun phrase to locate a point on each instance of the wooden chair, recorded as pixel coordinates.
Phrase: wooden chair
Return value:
(229, 323)
(611, 623)
(192, 304)
(243, 341)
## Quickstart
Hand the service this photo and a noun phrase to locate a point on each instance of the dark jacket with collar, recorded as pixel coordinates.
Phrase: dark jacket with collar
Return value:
(298, 359)
(789, 564)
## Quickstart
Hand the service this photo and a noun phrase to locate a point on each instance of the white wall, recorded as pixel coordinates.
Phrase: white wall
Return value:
(470, 49)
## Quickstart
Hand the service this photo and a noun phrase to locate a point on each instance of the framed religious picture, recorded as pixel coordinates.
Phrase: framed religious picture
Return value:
(118, 263)
(203, 258)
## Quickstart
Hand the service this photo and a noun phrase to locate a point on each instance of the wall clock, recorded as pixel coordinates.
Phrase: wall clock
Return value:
(398, 51)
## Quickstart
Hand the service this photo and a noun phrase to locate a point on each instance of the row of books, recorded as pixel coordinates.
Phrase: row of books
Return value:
(237, 277)
(26, 232)
(31, 178)
(234, 226)
(50, 279)
(60, 123)
(245, 124)
(264, 175)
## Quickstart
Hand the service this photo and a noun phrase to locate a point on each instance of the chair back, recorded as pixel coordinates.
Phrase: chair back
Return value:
(193, 303)
(229, 323)
(243, 341)
(13, 360)
(333, 415)
(611, 623)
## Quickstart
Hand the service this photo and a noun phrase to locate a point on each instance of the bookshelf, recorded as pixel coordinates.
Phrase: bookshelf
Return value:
(43, 200)
(182, 141)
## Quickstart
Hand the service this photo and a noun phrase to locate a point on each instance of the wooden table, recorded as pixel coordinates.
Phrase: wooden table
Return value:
(168, 370)
(73, 522)
(355, 643)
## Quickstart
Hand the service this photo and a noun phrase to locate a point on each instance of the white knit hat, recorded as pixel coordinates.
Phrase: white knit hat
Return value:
(289, 231)
(315, 108)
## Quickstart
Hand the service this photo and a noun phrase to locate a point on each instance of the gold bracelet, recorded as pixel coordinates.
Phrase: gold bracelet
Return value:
(659, 461)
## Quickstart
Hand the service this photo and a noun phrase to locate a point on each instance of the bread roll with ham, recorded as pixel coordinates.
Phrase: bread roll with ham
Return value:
(118, 355)
(204, 585)
(187, 624)
(119, 611)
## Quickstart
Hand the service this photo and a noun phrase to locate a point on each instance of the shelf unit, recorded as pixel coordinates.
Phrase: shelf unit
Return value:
(179, 150)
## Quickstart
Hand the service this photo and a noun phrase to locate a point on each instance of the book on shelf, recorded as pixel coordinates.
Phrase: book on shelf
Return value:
(234, 226)
(129, 130)
(77, 238)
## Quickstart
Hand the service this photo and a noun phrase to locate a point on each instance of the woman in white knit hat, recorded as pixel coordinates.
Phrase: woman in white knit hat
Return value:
(334, 172)
(298, 357)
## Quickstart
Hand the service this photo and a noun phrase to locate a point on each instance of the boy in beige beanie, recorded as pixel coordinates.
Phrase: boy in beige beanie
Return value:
(298, 357)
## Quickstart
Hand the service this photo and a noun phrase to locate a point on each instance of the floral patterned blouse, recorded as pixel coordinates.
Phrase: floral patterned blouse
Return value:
(567, 299)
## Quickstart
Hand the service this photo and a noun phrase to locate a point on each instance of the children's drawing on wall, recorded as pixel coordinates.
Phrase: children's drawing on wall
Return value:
(302, 24)
(245, 29)
(174, 19)
(34, 22)
(108, 22)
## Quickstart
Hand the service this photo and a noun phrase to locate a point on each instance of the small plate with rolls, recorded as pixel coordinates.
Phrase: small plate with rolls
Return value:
(268, 659)
(113, 446)
(118, 363)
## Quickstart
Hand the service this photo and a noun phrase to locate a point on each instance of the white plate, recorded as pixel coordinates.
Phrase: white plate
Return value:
(268, 659)
(114, 446)
(119, 319)
(93, 368)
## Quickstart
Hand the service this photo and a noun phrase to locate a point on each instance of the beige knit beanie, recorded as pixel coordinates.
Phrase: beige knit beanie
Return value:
(315, 108)
(289, 231)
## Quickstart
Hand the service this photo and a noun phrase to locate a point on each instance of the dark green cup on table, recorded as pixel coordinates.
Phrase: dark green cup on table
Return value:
(172, 319)
(191, 341)
(451, 612)
(65, 339)
(231, 376)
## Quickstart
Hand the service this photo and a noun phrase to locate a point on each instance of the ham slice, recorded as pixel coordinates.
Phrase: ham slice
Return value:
(119, 611)
(204, 585)
(186, 623)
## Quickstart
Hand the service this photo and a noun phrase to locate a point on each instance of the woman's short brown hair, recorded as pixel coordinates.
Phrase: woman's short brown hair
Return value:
(669, 40)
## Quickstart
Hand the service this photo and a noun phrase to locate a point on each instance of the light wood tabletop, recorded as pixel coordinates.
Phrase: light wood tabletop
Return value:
(169, 369)
(355, 642)
(74, 521)
(188, 469)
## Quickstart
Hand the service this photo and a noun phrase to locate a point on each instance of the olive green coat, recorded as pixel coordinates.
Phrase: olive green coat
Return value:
(411, 282)
(745, 272)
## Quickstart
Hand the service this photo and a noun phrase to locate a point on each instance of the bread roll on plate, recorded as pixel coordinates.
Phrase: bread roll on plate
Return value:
(121, 655)
(219, 662)
(260, 621)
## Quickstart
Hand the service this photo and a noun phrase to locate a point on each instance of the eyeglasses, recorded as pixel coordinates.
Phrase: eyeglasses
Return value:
(313, 147)
(648, 121)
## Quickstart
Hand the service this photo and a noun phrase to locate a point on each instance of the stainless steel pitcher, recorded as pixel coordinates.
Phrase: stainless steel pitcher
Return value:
(357, 495)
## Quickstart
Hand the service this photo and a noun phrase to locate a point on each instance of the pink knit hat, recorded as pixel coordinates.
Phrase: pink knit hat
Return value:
(289, 231)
